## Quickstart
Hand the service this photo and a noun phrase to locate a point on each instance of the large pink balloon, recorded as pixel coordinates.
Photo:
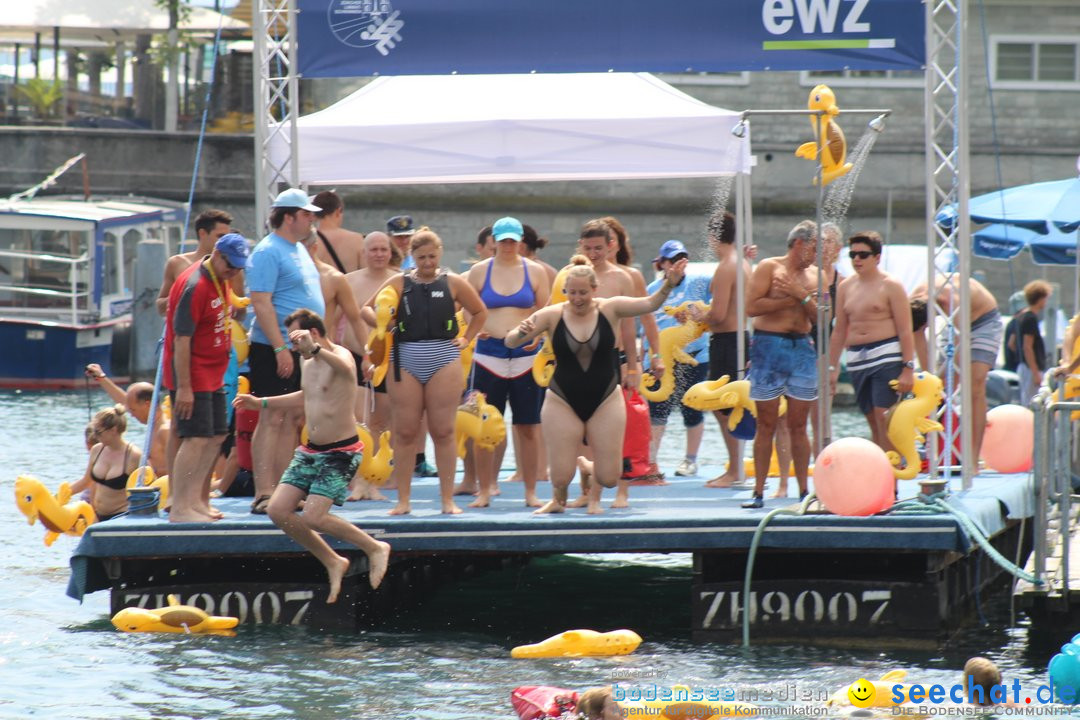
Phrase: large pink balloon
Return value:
(852, 476)
(1009, 441)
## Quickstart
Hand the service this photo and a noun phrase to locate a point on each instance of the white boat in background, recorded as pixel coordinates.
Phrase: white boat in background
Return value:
(66, 279)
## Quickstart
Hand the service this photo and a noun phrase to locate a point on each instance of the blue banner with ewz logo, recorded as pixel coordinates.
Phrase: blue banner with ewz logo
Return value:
(342, 38)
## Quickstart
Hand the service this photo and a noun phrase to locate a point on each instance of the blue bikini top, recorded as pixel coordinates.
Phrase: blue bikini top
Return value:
(523, 298)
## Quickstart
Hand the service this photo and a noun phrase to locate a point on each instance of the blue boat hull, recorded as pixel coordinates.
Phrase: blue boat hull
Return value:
(47, 355)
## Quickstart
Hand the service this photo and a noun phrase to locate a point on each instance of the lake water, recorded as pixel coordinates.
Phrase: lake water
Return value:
(446, 660)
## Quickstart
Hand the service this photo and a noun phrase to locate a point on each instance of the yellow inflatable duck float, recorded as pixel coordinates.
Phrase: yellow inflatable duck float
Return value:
(672, 341)
(468, 350)
(58, 513)
(830, 148)
(682, 703)
(240, 341)
(908, 422)
(581, 643)
(174, 618)
(544, 362)
(144, 477)
(882, 696)
(375, 468)
(381, 339)
(479, 421)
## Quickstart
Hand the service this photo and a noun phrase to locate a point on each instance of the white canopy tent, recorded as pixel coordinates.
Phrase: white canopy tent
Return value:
(103, 20)
(504, 128)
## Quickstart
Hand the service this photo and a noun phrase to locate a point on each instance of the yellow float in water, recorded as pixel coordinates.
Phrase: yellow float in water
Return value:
(58, 513)
(175, 618)
(907, 421)
(682, 703)
(581, 643)
(381, 339)
(830, 148)
(672, 341)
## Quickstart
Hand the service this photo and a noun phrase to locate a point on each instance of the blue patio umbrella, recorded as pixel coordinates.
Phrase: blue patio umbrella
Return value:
(1004, 242)
(1037, 206)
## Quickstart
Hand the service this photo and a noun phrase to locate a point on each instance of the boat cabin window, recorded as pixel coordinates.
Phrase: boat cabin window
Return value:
(41, 269)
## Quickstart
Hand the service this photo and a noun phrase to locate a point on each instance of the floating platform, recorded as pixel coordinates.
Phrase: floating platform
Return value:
(889, 578)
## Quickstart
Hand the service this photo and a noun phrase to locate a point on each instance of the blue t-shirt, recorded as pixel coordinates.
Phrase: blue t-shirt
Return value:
(693, 287)
(286, 271)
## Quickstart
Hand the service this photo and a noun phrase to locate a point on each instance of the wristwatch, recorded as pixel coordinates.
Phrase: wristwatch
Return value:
(910, 364)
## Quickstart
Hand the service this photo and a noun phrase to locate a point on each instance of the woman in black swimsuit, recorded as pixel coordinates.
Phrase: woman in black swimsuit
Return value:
(112, 460)
(583, 401)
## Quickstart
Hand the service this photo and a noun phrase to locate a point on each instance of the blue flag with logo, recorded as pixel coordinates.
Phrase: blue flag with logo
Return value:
(344, 38)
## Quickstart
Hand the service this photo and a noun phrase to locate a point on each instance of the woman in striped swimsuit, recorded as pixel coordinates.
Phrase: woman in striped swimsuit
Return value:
(426, 377)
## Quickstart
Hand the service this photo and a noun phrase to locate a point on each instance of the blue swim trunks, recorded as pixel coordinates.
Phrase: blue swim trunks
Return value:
(782, 364)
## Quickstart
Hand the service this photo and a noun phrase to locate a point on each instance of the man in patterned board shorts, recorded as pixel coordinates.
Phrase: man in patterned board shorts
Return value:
(782, 299)
(322, 467)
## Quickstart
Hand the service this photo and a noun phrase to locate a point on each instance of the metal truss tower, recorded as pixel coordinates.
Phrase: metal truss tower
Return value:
(276, 100)
(948, 186)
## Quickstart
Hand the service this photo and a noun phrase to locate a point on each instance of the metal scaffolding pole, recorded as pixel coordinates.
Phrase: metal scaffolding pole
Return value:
(276, 100)
(947, 184)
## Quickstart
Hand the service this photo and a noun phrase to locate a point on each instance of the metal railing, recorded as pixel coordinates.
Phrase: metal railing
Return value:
(71, 302)
(1053, 478)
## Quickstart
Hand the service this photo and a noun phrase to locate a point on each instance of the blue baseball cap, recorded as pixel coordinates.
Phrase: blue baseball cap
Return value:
(671, 249)
(295, 198)
(507, 227)
(234, 248)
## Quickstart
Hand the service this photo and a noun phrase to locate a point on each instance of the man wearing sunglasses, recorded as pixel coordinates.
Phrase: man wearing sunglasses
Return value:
(196, 354)
(873, 322)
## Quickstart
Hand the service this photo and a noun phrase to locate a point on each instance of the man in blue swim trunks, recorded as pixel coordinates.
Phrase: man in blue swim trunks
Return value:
(782, 299)
(873, 322)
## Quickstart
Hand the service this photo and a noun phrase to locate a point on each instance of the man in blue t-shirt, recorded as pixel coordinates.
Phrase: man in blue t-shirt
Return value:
(693, 287)
(281, 279)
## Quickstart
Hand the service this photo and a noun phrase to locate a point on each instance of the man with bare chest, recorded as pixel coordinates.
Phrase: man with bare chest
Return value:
(782, 300)
(874, 323)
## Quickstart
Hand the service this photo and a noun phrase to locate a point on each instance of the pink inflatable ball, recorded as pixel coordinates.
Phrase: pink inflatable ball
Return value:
(852, 476)
(1009, 441)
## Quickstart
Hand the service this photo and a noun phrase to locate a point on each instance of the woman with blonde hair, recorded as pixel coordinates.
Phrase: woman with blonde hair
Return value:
(582, 402)
(112, 460)
(426, 376)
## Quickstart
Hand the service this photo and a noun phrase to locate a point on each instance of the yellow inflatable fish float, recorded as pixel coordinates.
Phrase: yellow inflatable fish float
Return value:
(672, 341)
(468, 350)
(719, 394)
(174, 618)
(544, 363)
(830, 148)
(908, 421)
(581, 643)
(58, 513)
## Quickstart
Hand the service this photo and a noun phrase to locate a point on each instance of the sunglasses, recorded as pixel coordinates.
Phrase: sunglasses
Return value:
(860, 254)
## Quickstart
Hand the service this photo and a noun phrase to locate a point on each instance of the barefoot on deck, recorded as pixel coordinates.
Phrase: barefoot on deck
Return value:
(401, 509)
(481, 501)
(724, 481)
(580, 502)
(532, 501)
(378, 561)
(197, 515)
(451, 509)
(781, 490)
(551, 506)
(336, 571)
(463, 489)
(595, 508)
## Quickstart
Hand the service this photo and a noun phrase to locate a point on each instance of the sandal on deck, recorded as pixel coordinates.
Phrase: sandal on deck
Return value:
(258, 506)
